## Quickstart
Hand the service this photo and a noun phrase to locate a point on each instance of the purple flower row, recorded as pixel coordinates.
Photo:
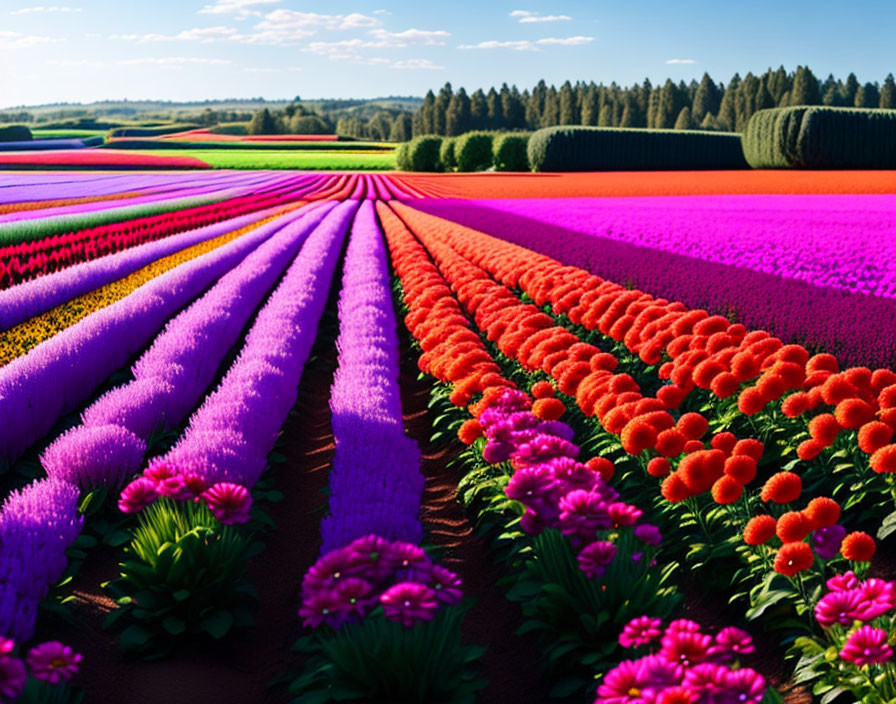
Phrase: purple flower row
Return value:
(687, 667)
(375, 482)
(231, 434)
(57, 375)
(172, 376)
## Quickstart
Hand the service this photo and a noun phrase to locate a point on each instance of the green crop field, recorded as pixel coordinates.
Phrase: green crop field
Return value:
(285, 159)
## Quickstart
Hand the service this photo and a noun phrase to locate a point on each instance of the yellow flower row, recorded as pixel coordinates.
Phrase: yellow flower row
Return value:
(19, 340)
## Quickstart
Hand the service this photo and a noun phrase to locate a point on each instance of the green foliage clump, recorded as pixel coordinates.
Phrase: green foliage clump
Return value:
(15, 133)
(473, 151)
(619, 149)
(157, 131)
(510, 152)
(821, 138)
(423, 154)
(447, 154)
(183, 577)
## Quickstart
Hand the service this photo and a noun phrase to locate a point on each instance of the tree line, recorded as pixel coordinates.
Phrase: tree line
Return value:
(705, 105)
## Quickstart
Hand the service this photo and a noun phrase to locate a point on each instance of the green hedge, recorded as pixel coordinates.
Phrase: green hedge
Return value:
(473, 151)
(423, 154)
(620, 149)
(447, 155)
(15, 133)
(151, 131)
(811, 137)
(510, 152)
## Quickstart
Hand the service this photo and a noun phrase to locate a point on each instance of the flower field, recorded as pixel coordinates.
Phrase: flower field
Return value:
(274, 436)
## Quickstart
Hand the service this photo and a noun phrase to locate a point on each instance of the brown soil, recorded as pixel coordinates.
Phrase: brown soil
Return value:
(238, 671)
(512, 664)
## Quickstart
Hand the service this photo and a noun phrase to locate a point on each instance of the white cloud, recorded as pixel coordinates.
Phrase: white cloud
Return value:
(17, 40)
(527, 17)
(204, 35)
(44, 8)
(176, 61)
(416, 64)
(240, 8)
(289, 26)
(74, 63)
(527, 45)
(521, 45)
(410, 36)
(381, 12)
(566, 41)
(681, 61)
(252, 69)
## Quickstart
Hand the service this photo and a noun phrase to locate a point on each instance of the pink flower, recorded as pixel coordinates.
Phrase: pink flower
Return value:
(12, 677)
(640, 631)
(6, 645)
(406, 556)
(137, 495)
(582, 514)
(624, 515)
(677, 695)
(228, 502)
(648, 533)
(594, 558)
(731, 642)
(867, 646)
(622, 684)
(541, 449)
(744, 685)
(321, 606)
(174, 487)
(842, 582)
(53, 662)
(683, 625)
(365, 557)
(195, 484)
(878, 598)
(355, 596)
(409, 602)
(658, 673)
(685, 648)
(446, 585)
(707, 678)
(160, 470)
(529, 484)
(838, 607)
(531, 523)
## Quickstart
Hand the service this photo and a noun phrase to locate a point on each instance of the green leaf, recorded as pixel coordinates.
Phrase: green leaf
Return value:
(217, 624)
(134, 638)
(174, 625)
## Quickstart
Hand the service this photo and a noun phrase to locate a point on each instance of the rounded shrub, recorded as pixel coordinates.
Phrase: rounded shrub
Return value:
(447, 155)
(423, 153)
(403, 156)
(510, 152)
(473, 151)
(15, 133)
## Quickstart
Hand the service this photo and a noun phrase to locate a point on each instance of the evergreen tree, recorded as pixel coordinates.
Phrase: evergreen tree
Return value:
(850, 88)
(627, 119)
(779, 83)
(402, 128)
(428, 125)
(478, 110)
(683, 121)
(457, 119)
(605, 119)
(868, 96)
(550, 117)
(263, 122)
(830, 91)
(888, 93)
(495, 112)
(706, 98)
(590, 106)
(805, 89)
(764, 98)
(512, 108)
(441, 109)
(727, 116)
(377, 129)
(417, 124)
(709, 122)
(568, 114)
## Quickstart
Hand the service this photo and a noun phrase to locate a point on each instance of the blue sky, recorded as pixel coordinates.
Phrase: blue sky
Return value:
(84, 50)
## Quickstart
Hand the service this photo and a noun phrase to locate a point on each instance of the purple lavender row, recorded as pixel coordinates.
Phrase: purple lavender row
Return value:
(231, 434)
(55, 377)
(26, 300)
(375, 481)
(172, 376)
(37, 524)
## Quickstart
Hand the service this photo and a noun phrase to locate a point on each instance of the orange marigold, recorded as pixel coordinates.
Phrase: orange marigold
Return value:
(853, 413)
(674, 489)
(706, 371)
(886, 398)
(793, 527)
(888, 416)
(883, 461)
(726, 490)
(670, 443)
(671, 395)
(795, 404)
(808, 450)
(602, 466)
(793, 558)
(469, 431)
(873, 436)
(724, 442)
(741, 468)
(659, 467)
(837, 389)
(724, 385)
(749, 447)
(542, 389)
(858, 547)
(693, 446)
(744, 366)
(637, 436)
(692, 425)
(822, 362)
(772, 387)
(782, 488)
(548, 408)
(824, 428)
(759, 530)
(751, 401)
(604, 360)
(822, 511)
(881, 379)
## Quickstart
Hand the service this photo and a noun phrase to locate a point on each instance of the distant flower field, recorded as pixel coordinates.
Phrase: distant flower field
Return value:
(633, 433)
